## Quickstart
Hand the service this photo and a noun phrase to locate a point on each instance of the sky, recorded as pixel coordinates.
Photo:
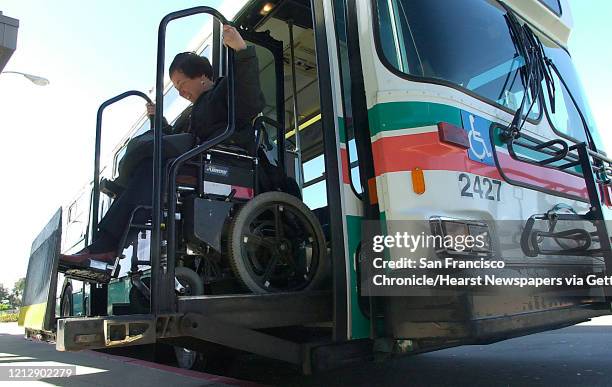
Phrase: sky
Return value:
(91, 51)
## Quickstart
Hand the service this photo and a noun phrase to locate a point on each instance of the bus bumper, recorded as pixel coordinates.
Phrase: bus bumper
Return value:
(75, 334)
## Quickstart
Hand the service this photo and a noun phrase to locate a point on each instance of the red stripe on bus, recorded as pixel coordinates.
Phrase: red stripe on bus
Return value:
(345, 166)
(425, 151)
(606, 193)
(542, 177)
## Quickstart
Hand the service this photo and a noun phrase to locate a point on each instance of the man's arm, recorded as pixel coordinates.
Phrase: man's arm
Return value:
(249, 98)
(166, 127)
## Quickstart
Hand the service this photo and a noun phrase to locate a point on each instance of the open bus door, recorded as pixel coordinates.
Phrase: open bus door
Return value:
(40, 294)
(37, 315)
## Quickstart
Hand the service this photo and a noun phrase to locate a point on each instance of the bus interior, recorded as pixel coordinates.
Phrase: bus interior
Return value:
(282, 33)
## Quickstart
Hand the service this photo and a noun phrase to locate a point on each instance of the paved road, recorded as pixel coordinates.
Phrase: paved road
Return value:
(576, 356)
(580, 355)
(93, 368)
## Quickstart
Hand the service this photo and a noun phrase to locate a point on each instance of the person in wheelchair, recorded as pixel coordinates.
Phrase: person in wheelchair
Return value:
(192, 76)
(141, 147)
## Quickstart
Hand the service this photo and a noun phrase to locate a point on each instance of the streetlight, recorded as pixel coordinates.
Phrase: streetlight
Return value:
(35, 79)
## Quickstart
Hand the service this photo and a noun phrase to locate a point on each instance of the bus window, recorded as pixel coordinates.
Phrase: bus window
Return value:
(76, 221)
(564, 117)
(553, 5)
(566, 120)
(315, 189)
(267, 80)
(345, 80)
(425, 40)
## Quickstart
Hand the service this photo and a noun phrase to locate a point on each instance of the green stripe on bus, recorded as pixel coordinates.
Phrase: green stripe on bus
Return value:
(342, 130)
(404, 115)
(360, 324)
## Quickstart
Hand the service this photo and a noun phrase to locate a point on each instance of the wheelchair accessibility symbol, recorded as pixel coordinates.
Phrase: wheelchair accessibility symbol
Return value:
(478, 136)
(477, 143)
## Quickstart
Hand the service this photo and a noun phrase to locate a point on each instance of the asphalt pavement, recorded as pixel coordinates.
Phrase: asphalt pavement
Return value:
(575, 356)
(18, 357)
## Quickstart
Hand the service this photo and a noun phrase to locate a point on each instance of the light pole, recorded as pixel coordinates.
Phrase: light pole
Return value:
(35, 79)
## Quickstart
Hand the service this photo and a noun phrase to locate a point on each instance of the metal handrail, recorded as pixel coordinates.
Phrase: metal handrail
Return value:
(162, 299)
(96, 178)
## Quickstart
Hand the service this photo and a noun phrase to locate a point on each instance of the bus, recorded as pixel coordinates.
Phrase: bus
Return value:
(454, 191)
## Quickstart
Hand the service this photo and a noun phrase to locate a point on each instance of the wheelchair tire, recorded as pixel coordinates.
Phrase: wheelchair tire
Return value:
(66, 307)
(276, 244)
(187, 277)
(190, 280)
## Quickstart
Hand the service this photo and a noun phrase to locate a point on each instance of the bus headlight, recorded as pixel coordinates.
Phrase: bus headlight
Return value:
(462, 237)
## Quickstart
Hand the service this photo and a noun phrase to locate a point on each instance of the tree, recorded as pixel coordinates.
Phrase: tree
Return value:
(4, 294)
(17, 293)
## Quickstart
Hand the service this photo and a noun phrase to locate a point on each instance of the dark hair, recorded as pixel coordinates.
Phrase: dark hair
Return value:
(192, 65)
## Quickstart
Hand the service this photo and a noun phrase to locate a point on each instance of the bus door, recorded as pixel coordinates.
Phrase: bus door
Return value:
(358, 188)
(313, 130)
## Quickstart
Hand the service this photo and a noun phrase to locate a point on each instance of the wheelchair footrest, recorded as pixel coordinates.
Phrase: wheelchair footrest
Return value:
(91, 270)
(89, 275)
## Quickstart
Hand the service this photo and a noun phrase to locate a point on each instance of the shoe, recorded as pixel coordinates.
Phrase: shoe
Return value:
(84, 258)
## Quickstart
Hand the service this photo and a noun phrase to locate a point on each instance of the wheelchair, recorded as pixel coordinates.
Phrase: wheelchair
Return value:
(241, 225)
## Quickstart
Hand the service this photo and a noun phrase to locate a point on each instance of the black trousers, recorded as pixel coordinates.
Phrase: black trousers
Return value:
(138, 192)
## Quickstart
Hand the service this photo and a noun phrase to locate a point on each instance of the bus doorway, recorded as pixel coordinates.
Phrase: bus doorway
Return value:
(302, 111)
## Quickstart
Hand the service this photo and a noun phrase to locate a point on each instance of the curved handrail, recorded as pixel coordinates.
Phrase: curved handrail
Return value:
(163, 291)
(96, 178)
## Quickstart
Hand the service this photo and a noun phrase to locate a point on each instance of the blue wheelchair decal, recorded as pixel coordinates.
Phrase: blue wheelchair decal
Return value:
(481, 149)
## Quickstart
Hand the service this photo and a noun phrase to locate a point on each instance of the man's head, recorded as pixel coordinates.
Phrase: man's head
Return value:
(191, 74)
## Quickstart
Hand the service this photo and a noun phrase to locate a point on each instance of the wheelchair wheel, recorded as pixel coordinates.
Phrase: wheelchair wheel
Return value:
(276, 244)
(190, 280)
(66, 307)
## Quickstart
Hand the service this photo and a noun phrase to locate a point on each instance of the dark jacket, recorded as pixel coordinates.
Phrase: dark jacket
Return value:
(209, 115)
(208, 118)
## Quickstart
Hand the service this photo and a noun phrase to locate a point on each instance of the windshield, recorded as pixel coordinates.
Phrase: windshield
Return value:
(474, 52)
(565, 116)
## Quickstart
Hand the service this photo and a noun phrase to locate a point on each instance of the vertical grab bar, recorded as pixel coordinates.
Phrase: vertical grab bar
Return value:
(98, 296)
(162, 276)
(96, 178)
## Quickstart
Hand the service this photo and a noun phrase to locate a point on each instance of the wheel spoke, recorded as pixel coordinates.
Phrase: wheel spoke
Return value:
(278, 224)
(269, 269)
(257, 240)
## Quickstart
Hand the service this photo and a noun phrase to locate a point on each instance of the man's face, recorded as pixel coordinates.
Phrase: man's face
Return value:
(188, 88)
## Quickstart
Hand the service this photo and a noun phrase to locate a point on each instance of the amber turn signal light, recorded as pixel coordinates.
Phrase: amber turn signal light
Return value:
(418, 181)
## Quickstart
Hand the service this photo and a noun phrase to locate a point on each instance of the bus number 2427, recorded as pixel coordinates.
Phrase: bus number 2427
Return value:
(479, 187)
